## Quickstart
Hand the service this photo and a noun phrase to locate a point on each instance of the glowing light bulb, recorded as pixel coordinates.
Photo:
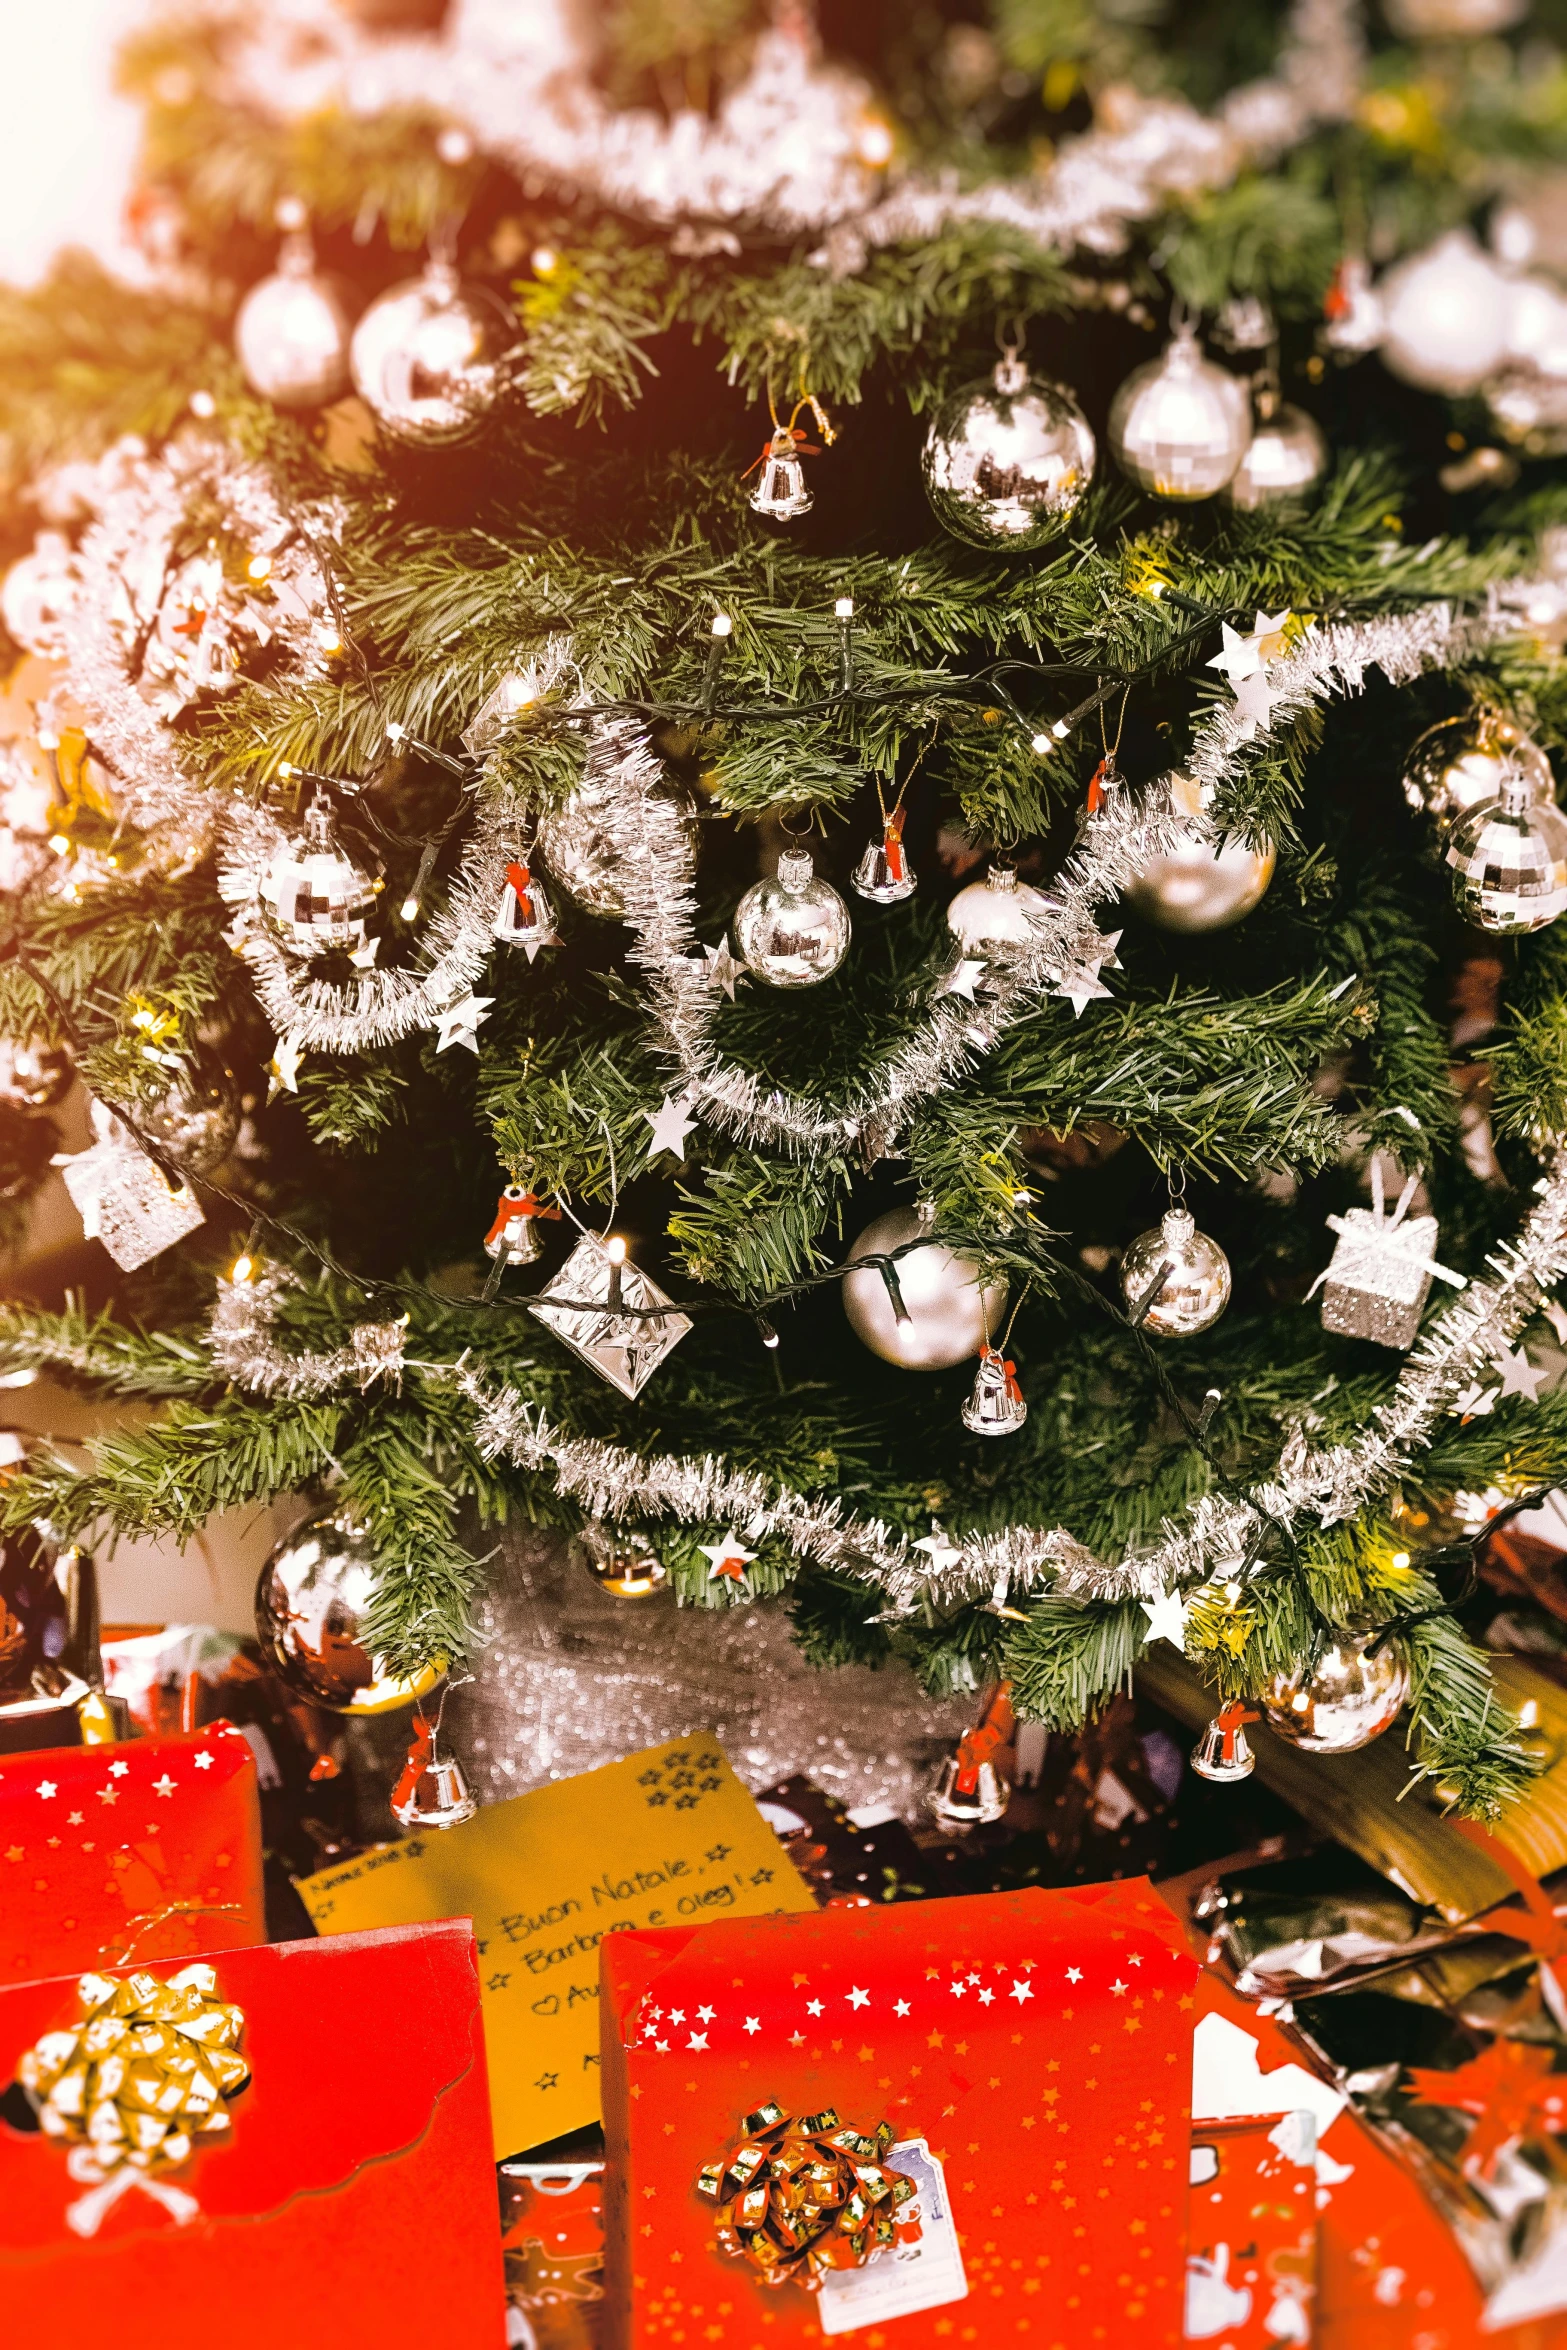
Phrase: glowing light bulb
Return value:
(844, 608)
(410, 909)
(1042, 745)
(242, 1268)
(545, 260)
(60, 844)
(203, 404)
(615, 1249)
(1060, 730)
(287, 770)
(1232, 1592)
(395, 730)
(1401, 1558)
(722, 624)
(259, 567)
(874, 142)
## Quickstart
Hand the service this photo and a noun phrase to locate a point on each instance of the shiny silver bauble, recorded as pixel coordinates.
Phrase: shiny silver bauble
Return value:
(427, 357)
(1446, 314)
(949, 1315)
(792, 930)
(1285, 461)
(292, 333)
(310, 1608)
(1008, 461)
(38, 593)
(196, 1122)
(1195, 1285)
(1460, 762)
(580, 852)
(998, 911)
(34, 1075)
(1508, 859)
(1350, 1695)
(314, 895)
(1180, 425)
(1198, 885)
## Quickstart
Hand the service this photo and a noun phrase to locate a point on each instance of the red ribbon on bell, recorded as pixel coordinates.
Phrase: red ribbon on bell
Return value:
(418, 1761)
(1232, 1718)
(787, 441)
(515, 1203)
(892, 842)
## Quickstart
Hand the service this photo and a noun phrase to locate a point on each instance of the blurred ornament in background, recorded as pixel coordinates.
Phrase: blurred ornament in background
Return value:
(1453, 20)
(292, 330)
(1446, 313)
(1352, 314)
(996, 1407)
(428, 357)
(1508, 858)
(195, 1122)
(946, 1316)
(884, 874)
(432, 1791)
(34, 1075)
(1460, 762)
(1198, 885)
(311, 1600)
(315, 896)
(998, 911)
(1008, 461)
(1188, 1273)
(1353, 1690)
(793, 930)
(1180, 426)
(38, 592)
(622, 1561)
(1286, 457)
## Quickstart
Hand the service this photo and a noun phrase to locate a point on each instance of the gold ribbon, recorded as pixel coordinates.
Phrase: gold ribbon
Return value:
(802, 2195)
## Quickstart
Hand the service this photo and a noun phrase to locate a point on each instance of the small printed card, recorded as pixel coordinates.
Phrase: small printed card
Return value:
(924, 2271)
(666, 1838)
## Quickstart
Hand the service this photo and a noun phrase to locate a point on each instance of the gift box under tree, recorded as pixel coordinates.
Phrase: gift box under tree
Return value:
(831, 2123)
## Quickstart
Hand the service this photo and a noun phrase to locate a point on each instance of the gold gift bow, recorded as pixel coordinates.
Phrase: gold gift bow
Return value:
(803, 2196)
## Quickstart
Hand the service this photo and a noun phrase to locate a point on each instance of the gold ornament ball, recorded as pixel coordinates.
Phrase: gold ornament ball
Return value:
(311, 1599)
(1008, 461)
(1352, 1693)
(949, 1314)
(1197, 885)
(624, 1563)
(1460, 762)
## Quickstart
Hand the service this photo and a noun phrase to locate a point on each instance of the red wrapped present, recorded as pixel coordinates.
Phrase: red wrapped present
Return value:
(285, 2144)
(553, 2242)
(861, 2120)
(147, 1850)
(1251, 2246)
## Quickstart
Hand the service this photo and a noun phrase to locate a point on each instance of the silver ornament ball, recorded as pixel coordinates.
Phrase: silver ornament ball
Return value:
(1446, 314)
(1352, 1693)
(949, 1315)
(1180, 426)
(580, 852)
(314, 894)
(196, 1121)
(292, 333)
(1460, 762)
(38, 593)
(998, 911)
(1008, 461)
(34, 1075)
(1194, 884)
(1508, 858)
(792, 930)
(427, 357)
(1195, 1285)
(1285, 460)
(311, 1599)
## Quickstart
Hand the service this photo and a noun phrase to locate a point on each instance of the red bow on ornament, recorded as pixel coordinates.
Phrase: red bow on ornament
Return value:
(522, 883)
(515, 1204)
(787, 441)
(996, 1729)
(993, 1354)
(1511, 2090)
(418, 1762)
(892, 844)
(1232, 1719)
(1336, 302)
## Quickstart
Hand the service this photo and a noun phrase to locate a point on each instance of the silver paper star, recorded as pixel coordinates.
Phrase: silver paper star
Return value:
(722, 968)
(1475, 1402)
(939, 1548)
(1238, 657)
(962, 979)
(1520, 1376)
(363, 957)
(283, 1068)
(459, 1023)
(1080, 986)
(1254, 700)
(671, 1123)
(1167, 1618)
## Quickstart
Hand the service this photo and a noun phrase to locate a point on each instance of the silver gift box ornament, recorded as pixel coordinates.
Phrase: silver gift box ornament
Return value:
(124, 1198)
(586, 1305)
(1381, 1270)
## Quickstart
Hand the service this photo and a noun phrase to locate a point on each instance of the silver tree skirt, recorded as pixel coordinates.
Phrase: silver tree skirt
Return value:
(571, 1678)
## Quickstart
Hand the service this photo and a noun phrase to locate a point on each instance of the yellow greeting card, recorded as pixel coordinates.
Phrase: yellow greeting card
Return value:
(666, 1838)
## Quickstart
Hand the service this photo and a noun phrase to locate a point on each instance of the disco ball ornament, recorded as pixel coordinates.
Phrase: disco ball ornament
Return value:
(1180, 425)
(1007, 461)
(292, 332)
(1446, 315)
(1193, 1286)
(196, 1121)
(427, 357)
(1198, 885)
(1285, 459)
(1353, 1692)
(314, 894)
(1460, 762)
(34, 1075)
(793, 930)
(998, 911)
(947, 1316)
(1509, 859)
(38, 592)
(310, 1608)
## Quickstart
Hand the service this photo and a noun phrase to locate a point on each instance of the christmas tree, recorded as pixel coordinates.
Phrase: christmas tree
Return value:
(666, 653)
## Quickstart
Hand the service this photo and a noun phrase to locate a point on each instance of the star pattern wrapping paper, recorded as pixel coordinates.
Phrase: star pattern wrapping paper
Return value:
(150, 1850)
(1038, 2043)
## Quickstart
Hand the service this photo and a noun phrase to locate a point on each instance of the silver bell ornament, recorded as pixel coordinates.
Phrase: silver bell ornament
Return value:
(523, 917)
(946, 1316)
(1509, 859)
(292, 332)
(1446, 315)
(998, 911)
(428, 357)
(970, 1791)
(433, 1791)
(1352, 312)
(38, 593)
(1353, 1691)
(195, 1121)
(793, 930)
(1192, 1274)
(34, 1075)
(884, 874)
(1223, 1752)
(1198, 885)
(315, 895)
(1285, 458)
(1007, 462)
(997, 1406)
(311, 1599)
(1180, 425)
(1460, 762)
(780, 491)
(513, 1238)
